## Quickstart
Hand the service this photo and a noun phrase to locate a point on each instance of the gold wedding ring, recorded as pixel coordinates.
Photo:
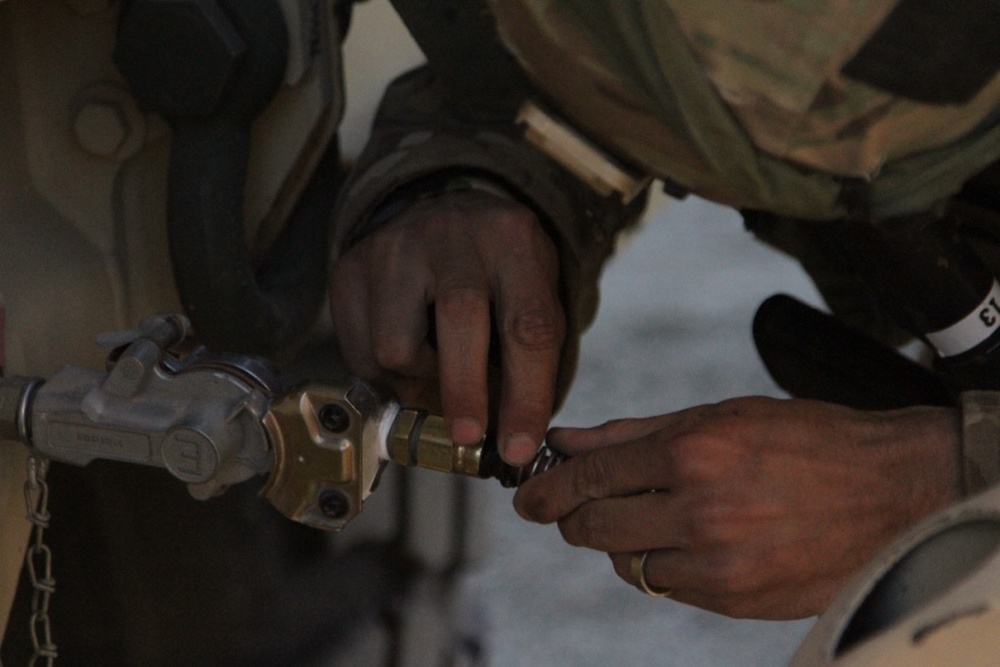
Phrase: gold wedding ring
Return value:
(638, 571)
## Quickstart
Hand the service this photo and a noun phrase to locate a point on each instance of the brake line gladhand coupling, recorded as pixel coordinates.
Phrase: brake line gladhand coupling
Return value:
(214, 420)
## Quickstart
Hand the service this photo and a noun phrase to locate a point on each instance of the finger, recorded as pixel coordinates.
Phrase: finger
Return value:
(349, 307)
(399, 324)
(416, 393)
(624, 470)
(664, 569)
(532, 330)
(576, 441)
(635, 523)
(463, 335)
(707, 581)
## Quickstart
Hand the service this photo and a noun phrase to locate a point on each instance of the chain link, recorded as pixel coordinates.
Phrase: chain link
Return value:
(39, 562)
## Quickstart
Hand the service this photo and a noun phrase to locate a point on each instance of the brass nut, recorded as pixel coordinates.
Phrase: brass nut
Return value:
(423, 440)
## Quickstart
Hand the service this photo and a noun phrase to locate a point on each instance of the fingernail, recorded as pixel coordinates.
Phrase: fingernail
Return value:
(466, 431)
(520, 448)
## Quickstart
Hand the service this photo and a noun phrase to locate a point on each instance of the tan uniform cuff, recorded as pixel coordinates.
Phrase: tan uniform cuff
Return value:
(980, 440)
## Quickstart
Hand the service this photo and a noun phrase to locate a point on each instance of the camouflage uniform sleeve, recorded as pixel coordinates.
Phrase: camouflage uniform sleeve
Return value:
(980, 440)
(419, 148)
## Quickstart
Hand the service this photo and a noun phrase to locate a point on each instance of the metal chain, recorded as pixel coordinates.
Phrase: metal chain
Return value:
(39, 561)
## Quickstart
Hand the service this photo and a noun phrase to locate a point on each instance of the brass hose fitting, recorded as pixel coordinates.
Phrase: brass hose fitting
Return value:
(420, 439)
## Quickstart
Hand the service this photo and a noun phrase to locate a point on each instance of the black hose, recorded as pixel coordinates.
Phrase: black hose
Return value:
(232, 306)
(211, 73)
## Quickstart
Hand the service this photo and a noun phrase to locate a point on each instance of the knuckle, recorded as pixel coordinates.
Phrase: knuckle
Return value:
(537, 327)
(536, 507)
(518, 222)
(731, 578)
(694, 460)
(526, 238)
(584, 527)
(592, 477)
(713, 524)
(458, 298)
(394, 352)
(390, 243)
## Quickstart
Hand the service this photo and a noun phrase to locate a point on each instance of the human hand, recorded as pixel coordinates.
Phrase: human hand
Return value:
(475, 257)
(762, 508)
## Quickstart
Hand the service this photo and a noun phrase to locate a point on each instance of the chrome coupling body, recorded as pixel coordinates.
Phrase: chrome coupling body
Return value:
(214, 420)
(200, 419)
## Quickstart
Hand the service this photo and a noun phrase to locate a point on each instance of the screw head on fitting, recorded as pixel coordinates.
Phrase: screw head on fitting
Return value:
(334, 418)
(334, 504)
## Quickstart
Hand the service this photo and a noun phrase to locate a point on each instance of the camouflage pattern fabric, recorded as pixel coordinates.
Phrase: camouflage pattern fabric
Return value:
(745, 102)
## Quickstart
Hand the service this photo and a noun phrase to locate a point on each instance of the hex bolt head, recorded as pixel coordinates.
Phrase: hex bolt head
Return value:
(334, 504)
(101, 127)
(334, 418)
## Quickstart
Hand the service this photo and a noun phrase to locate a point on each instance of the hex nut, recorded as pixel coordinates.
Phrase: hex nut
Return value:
(107, 122)
(101, 128)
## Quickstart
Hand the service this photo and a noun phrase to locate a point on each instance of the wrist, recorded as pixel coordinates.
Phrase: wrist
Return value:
(925, 455)
(980, 450)
(424, 189)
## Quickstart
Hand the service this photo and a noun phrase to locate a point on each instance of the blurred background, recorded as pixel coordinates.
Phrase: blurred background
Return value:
(673, 331)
